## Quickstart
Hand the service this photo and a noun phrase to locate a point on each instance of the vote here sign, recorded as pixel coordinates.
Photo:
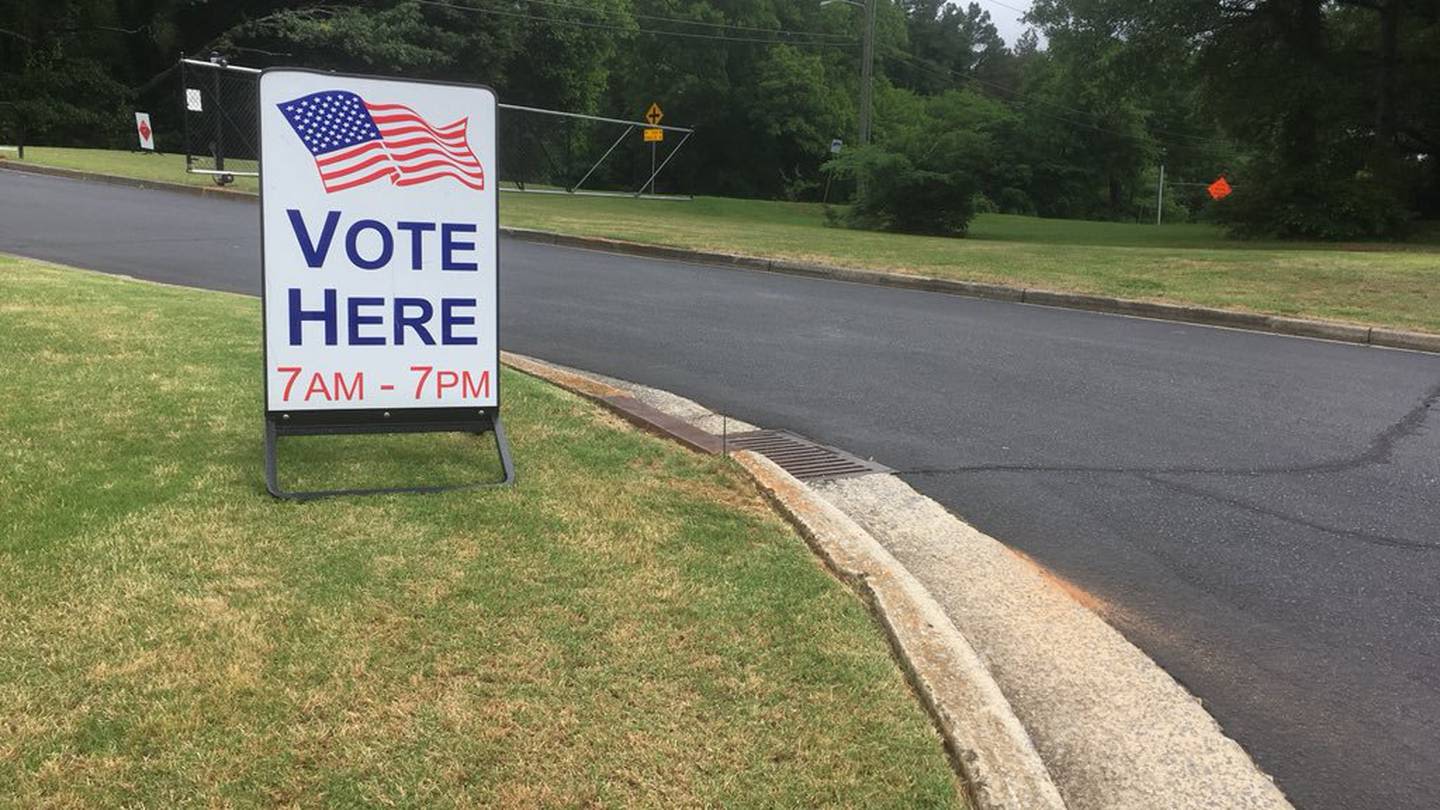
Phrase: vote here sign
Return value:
(379, 223)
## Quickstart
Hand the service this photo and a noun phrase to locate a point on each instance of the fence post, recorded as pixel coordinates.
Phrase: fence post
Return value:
(219, 119)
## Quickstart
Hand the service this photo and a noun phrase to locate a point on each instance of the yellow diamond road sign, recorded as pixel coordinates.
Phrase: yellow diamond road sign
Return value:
(654, 135)
(654, 114)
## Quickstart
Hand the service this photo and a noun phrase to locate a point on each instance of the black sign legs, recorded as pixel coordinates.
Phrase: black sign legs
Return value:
(485, 421)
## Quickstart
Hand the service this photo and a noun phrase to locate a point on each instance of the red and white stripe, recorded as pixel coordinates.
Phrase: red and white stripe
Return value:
(355, 166)
(409, 152)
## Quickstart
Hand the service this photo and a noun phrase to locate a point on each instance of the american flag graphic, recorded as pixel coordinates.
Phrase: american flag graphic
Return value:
(355, 142)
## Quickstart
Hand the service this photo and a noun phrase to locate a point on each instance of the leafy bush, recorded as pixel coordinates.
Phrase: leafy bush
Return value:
(895, 195)
(1015, 201)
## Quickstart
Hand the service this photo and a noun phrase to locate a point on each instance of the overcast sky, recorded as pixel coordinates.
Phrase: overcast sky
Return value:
(1005, 17)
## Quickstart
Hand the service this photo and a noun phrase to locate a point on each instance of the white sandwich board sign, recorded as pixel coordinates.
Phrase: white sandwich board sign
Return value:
(379, 218)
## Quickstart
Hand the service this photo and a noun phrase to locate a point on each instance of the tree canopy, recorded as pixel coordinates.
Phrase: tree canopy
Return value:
(1323, 114)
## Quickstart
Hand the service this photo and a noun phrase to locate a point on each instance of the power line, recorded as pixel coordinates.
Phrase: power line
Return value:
(701, 23)
(638, 30)
(1007, 5)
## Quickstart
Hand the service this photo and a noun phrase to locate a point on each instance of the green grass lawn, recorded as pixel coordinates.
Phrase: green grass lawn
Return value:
(630, 625)
(164, 167)
(1381, 284)
(1188, 264)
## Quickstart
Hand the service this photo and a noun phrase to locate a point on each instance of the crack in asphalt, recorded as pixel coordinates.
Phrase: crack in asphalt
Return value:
(1372, 538)
(1380, 450)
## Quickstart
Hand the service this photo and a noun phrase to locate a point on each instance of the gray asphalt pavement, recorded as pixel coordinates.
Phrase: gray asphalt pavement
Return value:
(1260, 514)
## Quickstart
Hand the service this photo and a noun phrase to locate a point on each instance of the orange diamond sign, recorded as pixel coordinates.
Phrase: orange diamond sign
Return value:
(1219, 190)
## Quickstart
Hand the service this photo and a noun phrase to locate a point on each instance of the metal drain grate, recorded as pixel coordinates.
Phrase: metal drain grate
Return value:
(801, 457)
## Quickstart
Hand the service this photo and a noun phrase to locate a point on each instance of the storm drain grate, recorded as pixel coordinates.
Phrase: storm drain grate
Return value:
(801, 457)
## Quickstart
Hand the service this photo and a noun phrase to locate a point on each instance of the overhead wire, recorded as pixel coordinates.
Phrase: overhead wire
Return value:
(640, 30)
(701, 23)
(792, 37)
(1007, 5)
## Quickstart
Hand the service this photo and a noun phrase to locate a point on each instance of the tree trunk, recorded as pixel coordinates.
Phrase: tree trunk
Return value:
(1385, 117)
(1306, 35)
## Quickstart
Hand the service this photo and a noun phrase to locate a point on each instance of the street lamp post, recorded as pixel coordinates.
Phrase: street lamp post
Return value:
(867, 65)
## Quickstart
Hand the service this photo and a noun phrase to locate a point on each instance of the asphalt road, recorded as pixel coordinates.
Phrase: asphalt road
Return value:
(1261, 514)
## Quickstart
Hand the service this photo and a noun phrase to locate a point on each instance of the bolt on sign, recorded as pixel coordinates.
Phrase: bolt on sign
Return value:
(142, 128)
(653, 135)
(1219, 190)
(379, 259)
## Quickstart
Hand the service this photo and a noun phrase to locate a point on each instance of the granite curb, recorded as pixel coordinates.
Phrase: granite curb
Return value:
(1205, 316)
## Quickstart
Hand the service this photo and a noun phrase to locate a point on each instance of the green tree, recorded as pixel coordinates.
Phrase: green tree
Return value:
(798, 112)
(57, 81)
(961, 41)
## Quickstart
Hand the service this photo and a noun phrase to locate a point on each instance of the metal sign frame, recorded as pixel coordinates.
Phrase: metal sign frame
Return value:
(475, 420)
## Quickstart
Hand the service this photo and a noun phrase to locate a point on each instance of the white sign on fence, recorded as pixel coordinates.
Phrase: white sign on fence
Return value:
(379, 225)
(143, 130)
(192, 100)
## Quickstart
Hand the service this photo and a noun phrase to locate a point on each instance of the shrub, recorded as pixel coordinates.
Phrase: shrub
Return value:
(893, 194)
(1015, 201)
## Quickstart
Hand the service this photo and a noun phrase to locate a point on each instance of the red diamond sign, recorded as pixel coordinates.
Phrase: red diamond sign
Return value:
(142, 128)
(1219, 190)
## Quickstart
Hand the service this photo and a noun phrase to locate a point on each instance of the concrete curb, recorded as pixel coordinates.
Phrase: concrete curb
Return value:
(989, 747)
(214, 192)
(631, 409)
(1206, 316)
(1115, 730)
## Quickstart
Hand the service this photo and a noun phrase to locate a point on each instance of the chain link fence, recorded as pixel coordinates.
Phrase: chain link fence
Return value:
(222, 123)
(540, 151)
(549, 151)
(12, 132)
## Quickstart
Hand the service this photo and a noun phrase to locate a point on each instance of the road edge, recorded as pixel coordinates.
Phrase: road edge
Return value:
(1383, 337)
(998, 764)
(989, 745)
(216, 192)
(1359, 334)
